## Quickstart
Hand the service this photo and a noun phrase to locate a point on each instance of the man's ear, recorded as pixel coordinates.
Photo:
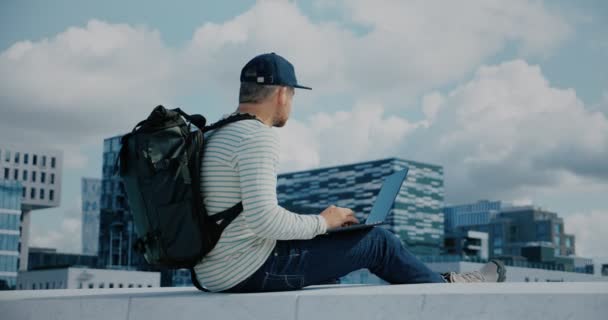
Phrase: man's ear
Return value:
(282, 96)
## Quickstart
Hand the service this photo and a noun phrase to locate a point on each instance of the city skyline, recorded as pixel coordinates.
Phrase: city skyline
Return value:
(517, 112)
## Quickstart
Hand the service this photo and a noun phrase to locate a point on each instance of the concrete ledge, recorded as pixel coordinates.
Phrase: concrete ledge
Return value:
(425, 301)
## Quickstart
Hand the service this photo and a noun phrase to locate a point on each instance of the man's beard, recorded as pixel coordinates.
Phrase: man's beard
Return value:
(279, 123)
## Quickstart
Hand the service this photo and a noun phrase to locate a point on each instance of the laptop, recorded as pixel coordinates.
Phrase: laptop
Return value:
(382, 206)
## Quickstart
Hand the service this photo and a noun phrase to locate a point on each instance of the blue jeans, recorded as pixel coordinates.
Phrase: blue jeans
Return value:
(299, 263)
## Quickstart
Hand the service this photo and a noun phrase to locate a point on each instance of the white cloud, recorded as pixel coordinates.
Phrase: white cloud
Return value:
(507, 130)
(91, 82)
(67, 237)
(591, 240)
(416, 45)
(506, 134)
(365, 133)
(82, 85)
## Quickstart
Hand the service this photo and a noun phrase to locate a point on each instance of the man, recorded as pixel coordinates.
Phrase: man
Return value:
(267, 248)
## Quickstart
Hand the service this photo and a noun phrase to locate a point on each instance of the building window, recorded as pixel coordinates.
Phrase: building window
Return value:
(32, 193)
(16, 174)
(7, 156)
(47, 286)
(24, 175)
(51, 194)
(120, 285)
(44, 161)
(16, 157)
(42, 177)
(34, 159)
(91, 286)
(52, 178)
(6, 173)
(25, 158)
(101, 285)
(41, 194)
(33, 286)
(33, 176)
(24, 191)
(111, 285)
(53, 162)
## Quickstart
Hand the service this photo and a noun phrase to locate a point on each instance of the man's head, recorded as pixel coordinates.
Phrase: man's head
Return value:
(267, 88)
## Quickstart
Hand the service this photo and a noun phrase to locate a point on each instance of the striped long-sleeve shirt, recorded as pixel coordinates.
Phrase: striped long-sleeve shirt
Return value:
(240, 163)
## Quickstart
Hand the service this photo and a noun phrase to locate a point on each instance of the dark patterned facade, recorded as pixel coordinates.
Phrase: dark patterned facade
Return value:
(416, 216)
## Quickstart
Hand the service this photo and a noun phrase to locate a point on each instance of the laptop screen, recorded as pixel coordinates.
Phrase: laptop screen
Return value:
(386, 197)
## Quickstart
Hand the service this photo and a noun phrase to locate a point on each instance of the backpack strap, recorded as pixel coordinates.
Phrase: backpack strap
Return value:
(195, 282)
(233, 118)
(198, 120)
(227, 215)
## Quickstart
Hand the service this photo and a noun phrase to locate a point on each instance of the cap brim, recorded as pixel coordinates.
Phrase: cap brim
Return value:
(302, 87)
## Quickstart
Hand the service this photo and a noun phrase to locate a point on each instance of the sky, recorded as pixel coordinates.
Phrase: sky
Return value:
(510, 97)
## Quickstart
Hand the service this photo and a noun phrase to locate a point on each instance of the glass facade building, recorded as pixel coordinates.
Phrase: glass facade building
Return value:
(47, 258)
(416, 217)
(477, 213)
(511, 228)
(91, 197)
(10, 212)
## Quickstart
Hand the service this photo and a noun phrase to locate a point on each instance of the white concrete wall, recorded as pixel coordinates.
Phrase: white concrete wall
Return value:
(425, 301)
(105, 277)
(72, 278)
(517, 274)
(514, 274)
(33, 280)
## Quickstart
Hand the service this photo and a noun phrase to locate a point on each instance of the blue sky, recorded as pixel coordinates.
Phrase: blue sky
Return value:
(511, 98)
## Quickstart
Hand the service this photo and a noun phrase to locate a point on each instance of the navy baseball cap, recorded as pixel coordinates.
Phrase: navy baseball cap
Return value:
(270, 69)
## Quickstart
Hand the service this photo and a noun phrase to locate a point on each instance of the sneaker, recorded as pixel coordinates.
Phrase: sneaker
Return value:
(493, 271)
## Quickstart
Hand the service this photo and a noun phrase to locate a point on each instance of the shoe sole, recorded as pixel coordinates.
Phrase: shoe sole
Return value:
(502, 271)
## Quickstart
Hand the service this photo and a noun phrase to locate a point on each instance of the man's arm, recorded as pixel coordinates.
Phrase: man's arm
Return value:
(256, 162)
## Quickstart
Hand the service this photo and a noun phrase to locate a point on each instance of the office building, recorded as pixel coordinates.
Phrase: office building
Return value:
(524, 226)
(467, 244)
(478, 213)
(510, 228)
(49, 258)
(10, 212)
(39, 172)
(415, 217)
(91, 197)
(86, 278)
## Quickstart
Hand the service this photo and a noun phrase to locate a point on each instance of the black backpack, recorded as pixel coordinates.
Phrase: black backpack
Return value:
(160, 169)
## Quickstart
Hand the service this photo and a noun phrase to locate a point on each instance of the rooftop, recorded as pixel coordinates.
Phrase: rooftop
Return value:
(423, 301)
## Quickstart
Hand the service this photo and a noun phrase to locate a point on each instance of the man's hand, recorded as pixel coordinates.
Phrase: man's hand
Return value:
(338, 217)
